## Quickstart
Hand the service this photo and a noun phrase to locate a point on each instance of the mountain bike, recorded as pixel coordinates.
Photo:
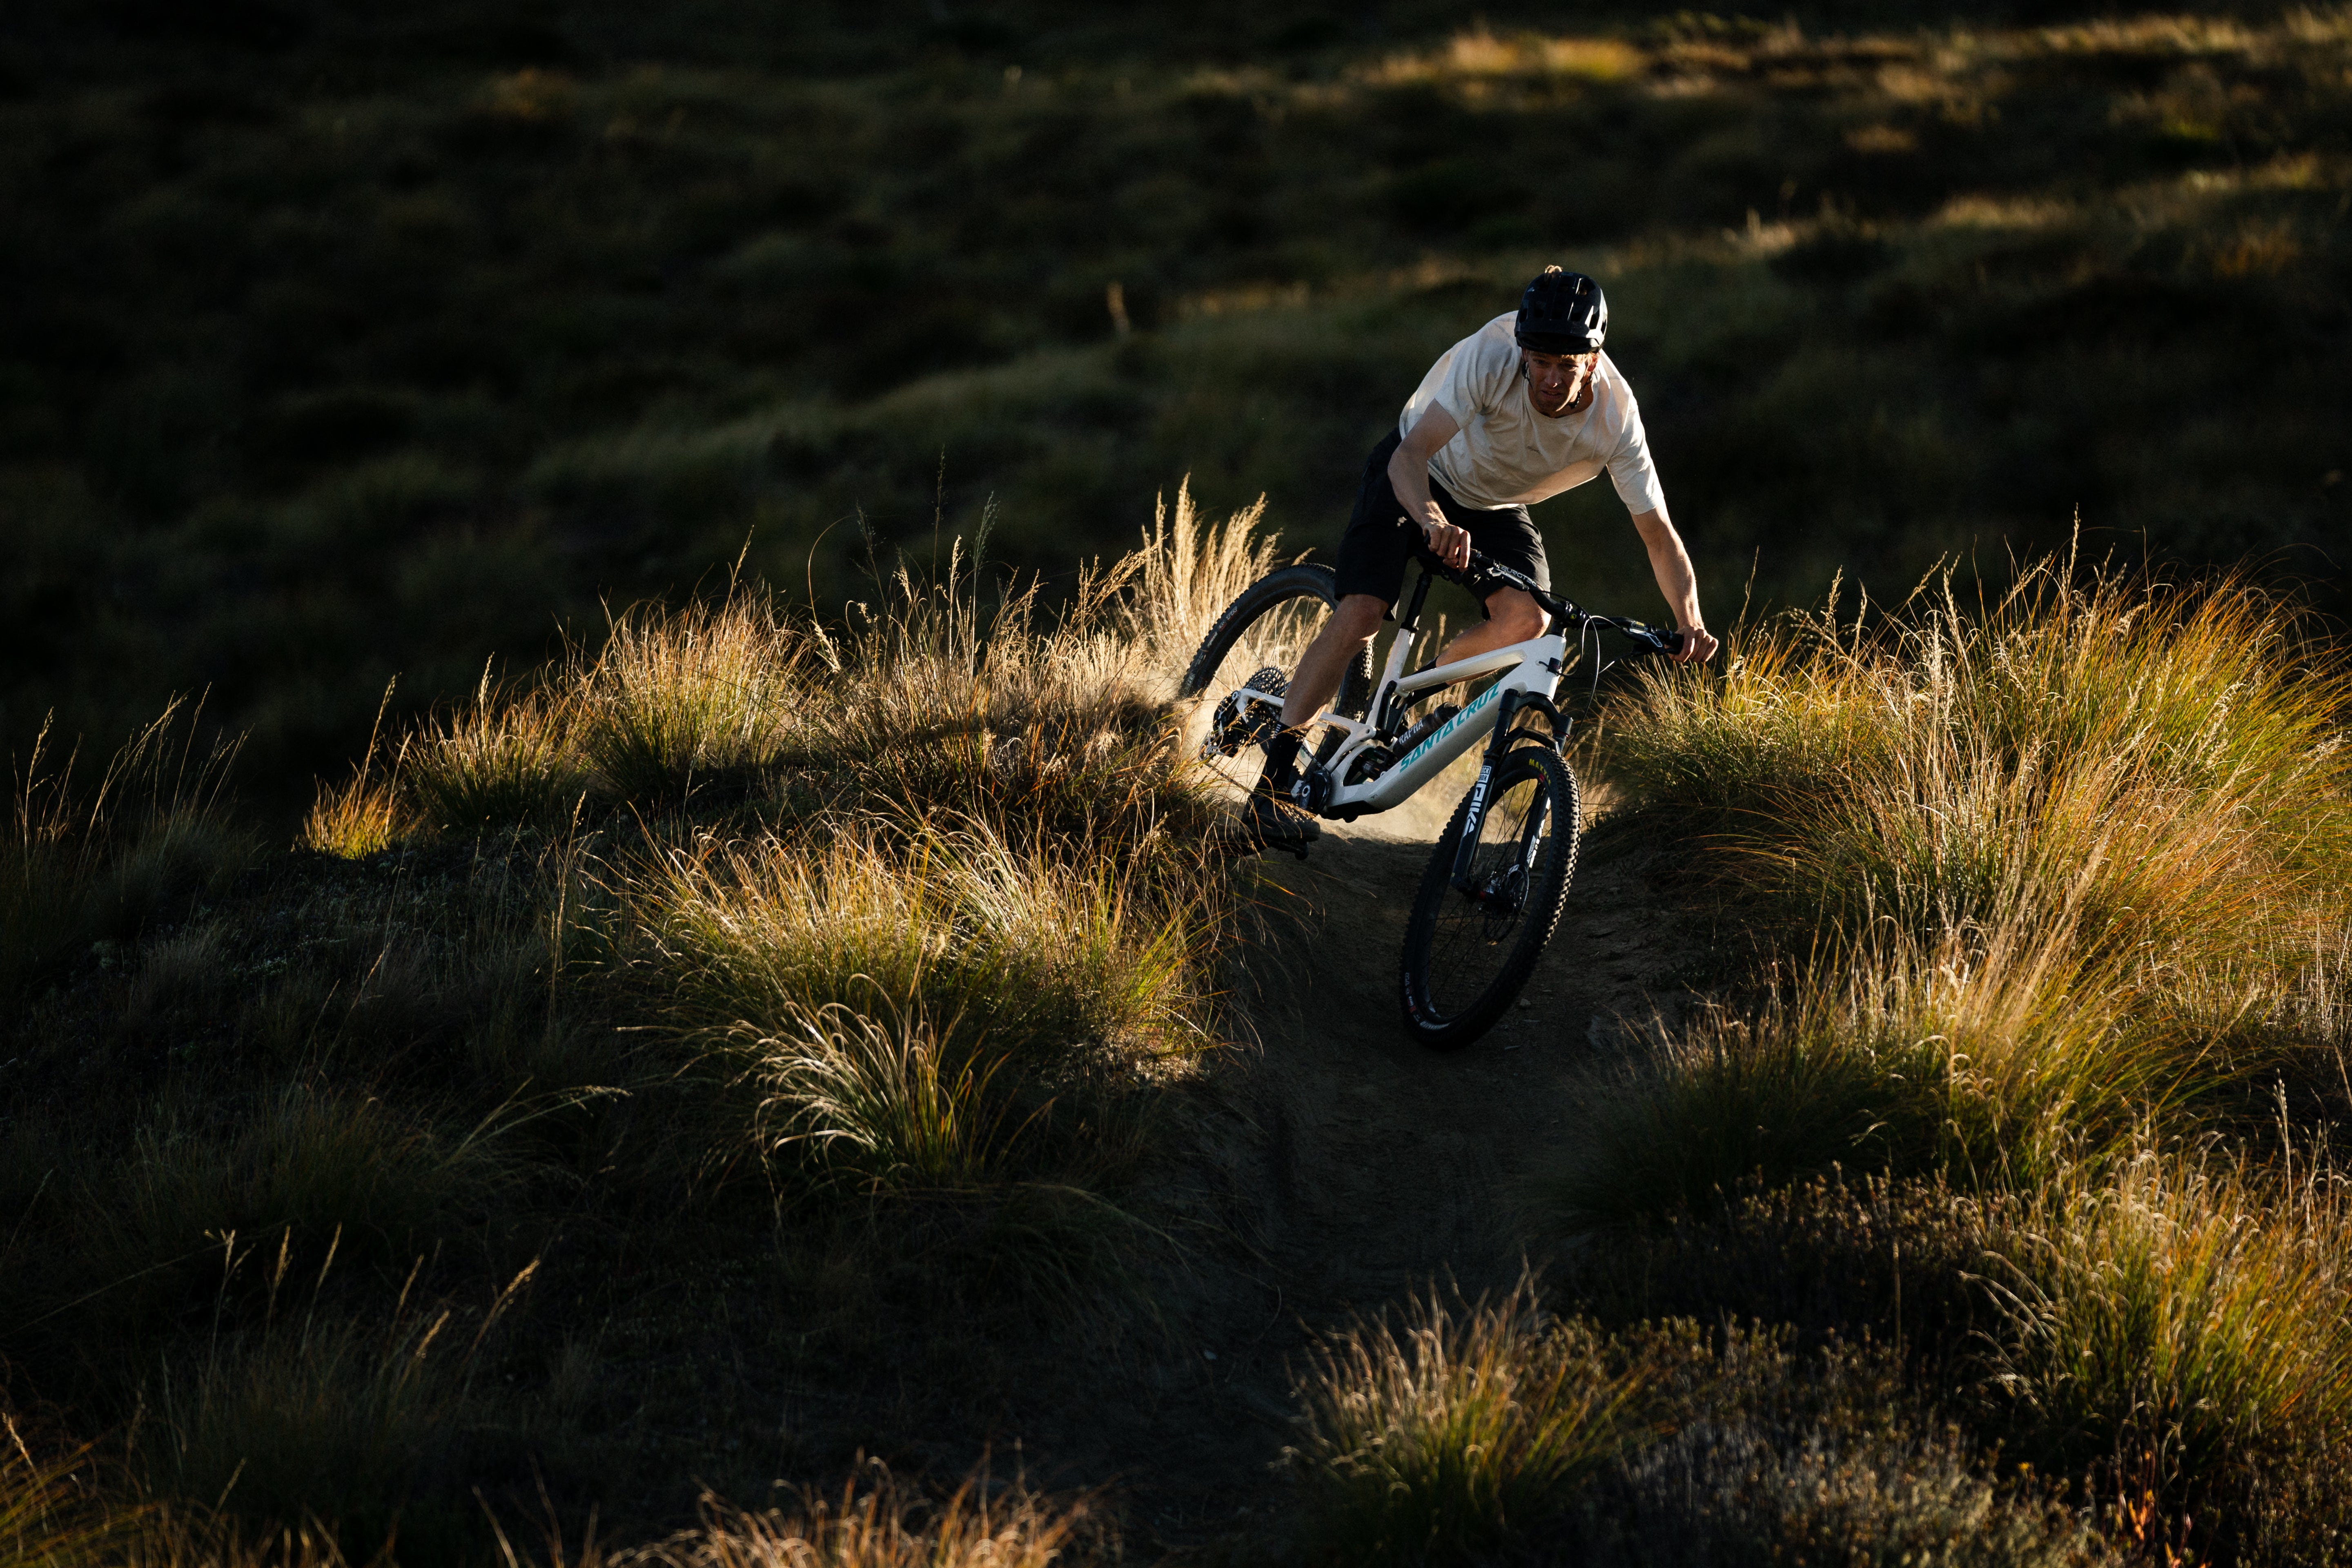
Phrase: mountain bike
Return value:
(1497, 881)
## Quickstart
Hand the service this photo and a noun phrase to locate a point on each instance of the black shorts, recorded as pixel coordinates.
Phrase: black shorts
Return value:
(1378, 541)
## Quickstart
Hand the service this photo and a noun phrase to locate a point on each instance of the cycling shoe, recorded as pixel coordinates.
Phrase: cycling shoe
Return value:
(1268, 822)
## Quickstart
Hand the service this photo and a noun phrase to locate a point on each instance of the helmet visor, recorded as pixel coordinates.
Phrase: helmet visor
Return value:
(1558, 342)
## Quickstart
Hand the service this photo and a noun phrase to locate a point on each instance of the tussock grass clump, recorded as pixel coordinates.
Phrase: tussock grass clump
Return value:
(879, 1522)
(323, 1419)
(2184, 1331)
(708, 689)
(53, 1511)
(1777, 1456)
(948, 694)
(328, 1418)
(934, 703)
(75, 865)
(355, 819)
(2162, 770)
(203, 1214)
(883, 1105)
(1042, 950)
(1506, 1434)
(508, 760)
(936, 1013)
(2037, 871)
(1455, 1432)
(1992, 1060)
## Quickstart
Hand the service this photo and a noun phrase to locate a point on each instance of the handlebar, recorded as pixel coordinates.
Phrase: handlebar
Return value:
(1485, 574)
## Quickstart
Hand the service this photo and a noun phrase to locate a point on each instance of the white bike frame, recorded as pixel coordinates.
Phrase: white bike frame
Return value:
(1528, 669)
(1530, 673)
(1532, 667)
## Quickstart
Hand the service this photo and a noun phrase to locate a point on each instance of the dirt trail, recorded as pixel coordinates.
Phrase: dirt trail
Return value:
(1358, 1166)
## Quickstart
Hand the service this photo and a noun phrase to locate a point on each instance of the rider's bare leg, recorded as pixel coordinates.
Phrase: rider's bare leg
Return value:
(1512, 615)
(1315, 681)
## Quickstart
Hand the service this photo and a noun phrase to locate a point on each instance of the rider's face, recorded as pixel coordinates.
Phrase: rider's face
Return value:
(1555, 381)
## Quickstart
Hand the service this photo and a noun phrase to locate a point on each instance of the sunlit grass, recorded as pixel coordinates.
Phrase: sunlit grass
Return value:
(355, 819)
(711, 690)
(508, 760)
(57, 1510)
(879, 1521)
(2184, 1325)
(2035, 870)
(1045, 953)
(1457, 1431)
(2159, 774)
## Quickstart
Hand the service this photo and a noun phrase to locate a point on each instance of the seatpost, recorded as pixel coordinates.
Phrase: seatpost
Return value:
(1411, 621)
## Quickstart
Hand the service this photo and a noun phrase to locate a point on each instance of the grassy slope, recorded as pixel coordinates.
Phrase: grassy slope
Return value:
(447, 1161)
(676, 1080)
(342, 347)
(636, 1056)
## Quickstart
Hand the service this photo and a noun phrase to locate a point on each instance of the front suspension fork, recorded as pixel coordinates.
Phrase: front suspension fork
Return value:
(1500, 741)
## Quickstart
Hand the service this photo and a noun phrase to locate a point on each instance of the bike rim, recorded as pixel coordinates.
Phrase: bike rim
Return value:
(1474, 938)
(1275, 638)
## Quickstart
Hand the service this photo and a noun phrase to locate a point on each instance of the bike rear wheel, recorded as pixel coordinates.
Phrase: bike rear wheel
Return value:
(1267, 627)
(1467, 954)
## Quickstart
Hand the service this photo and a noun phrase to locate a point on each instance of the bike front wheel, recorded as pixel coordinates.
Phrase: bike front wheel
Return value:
(1267, 627)
(1467, 954)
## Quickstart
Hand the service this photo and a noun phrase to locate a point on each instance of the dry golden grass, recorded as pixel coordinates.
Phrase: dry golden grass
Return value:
(2037, 869)
(708, 689)
(54, 1511)
(2182, 1327)
(1453, 1434)
(2161, 770)
(362, 818)
(878, 1522)
(509, 760)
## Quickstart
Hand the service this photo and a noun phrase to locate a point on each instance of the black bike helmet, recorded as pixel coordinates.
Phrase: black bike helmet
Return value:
(1563, 313)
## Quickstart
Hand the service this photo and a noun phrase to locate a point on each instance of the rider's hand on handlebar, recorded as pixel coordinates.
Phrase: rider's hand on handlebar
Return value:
(1697, 646)
(1448, 543)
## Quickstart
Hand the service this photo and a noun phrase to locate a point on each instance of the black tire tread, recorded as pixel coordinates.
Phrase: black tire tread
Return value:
(1549, 899)
(1279, 586)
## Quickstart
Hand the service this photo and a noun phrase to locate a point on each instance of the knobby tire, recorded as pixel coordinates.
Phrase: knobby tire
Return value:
(1279, 590)
(1465, 962)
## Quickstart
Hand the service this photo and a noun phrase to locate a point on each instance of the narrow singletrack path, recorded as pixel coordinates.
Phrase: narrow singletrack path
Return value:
(1349, 1167)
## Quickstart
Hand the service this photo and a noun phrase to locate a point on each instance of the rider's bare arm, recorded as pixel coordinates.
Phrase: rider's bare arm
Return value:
(1409, 474)
(1676, 581)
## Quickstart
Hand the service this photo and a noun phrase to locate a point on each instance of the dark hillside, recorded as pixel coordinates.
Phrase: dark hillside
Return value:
(337, 343)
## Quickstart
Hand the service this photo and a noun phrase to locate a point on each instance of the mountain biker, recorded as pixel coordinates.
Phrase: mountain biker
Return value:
(1521, 409)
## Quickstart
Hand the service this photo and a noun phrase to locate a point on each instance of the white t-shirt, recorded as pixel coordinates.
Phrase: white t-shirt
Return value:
(1507, 454)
